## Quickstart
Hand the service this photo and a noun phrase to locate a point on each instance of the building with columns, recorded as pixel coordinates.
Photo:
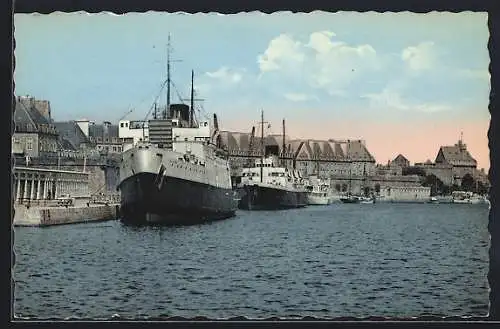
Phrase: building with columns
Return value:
(31, 184)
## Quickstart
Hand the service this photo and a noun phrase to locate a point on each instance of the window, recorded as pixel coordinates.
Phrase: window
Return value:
(29, 144)
(121, 125)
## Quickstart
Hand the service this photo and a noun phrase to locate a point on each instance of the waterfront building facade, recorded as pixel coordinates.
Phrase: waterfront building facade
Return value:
(32, 184)
(34, 132)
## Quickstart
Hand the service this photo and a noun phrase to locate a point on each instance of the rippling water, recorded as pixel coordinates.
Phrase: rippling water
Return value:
(339, 260)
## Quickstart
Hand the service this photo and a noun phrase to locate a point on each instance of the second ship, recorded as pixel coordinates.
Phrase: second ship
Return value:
(267, 185)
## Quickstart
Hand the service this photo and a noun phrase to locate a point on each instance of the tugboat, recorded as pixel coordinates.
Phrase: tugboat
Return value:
(266, 185)
(180, 175)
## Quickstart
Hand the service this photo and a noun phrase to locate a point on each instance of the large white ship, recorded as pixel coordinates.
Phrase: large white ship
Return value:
(178, 175)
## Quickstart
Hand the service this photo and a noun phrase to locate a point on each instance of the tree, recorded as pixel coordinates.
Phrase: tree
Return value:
(468, 183)
(377, 188)
(482, 188)
(434, 183)
(337, 187)
(413, 171)
(455, 187)
(366, 190)
(344, 187)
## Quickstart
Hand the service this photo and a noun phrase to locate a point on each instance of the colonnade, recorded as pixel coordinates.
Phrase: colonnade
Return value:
(45, 184)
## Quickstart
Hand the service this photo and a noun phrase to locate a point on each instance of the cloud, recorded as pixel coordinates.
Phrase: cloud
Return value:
(281, 52)
(391, 99)
(420, 57)
(322, 63)
(298, 97)
(227, 75)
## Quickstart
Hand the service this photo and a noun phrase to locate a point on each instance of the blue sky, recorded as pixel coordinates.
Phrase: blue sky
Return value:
(428, 69)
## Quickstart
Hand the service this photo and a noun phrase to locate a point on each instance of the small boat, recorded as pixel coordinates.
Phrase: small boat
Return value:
(433, 200)
(467, 198)
(350, 199)
(318, 191)
(366, 200)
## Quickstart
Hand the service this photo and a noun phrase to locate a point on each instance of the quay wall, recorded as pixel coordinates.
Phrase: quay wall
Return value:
(47, 216)
(418, 194)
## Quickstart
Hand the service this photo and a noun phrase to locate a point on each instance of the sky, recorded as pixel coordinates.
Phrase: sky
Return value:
(405, 83)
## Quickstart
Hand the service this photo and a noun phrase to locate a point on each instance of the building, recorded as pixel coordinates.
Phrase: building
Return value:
(71, 136)
(452, 163)
(338, 160)
(104, 137)
(32, 184)
(34, 132)
(401, 161)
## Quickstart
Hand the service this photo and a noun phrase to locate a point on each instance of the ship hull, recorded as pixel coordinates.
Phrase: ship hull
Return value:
(255, 197)
(176, 202)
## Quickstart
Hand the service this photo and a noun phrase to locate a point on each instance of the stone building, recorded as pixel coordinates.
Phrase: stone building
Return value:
(401, 161)
(339, 160)
(105, 138)
(452, 163)
(31, 184)
(34, 132)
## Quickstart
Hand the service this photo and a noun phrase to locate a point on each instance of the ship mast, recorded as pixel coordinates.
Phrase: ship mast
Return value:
(168, 79)
(191, 113)
(261, 143)
(283, 161)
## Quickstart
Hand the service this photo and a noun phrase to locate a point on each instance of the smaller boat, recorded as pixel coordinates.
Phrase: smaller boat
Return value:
(433, 200)
(318, 191)
(357, 199)
(350, 199)
(367, 200)
(464, 197)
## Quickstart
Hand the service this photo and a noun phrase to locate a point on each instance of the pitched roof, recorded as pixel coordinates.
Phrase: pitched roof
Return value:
(327, 149)
(25, 114)
(400, 159)
(64, 144)
(455, 155)
(71, 132)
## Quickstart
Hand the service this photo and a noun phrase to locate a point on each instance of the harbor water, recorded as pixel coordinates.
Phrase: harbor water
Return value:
(391, 260)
